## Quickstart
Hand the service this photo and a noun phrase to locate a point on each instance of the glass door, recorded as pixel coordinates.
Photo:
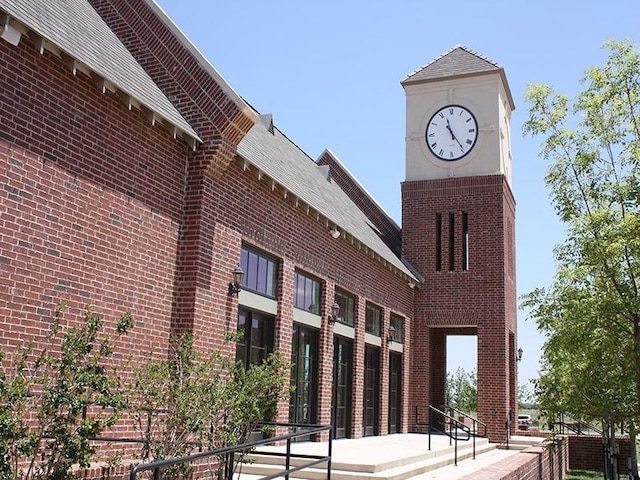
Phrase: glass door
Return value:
(371, 390)
(304, 355)
(395, 392)
(255, 343)
(342, 380)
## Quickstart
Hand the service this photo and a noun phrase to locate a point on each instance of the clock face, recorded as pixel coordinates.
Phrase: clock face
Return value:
(451, 133)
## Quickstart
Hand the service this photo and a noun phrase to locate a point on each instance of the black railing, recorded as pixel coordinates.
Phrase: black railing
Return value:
(230, 454)
(475, 423)
(442, 422)
(576, 425)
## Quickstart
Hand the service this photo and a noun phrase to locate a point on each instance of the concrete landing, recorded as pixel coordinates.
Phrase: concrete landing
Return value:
(391, 457)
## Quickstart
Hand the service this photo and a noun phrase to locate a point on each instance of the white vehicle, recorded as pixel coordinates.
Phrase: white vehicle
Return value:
(524, 421)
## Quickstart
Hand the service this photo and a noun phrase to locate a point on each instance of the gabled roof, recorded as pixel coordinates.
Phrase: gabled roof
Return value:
(73, 30)
(278, 160)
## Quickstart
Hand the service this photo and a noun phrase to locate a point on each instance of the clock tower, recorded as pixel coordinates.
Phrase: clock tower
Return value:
(458, 222)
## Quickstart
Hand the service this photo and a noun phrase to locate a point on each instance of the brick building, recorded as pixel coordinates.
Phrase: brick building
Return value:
(135, 178)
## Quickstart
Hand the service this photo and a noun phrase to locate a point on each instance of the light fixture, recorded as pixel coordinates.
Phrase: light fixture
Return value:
(335, 233)
(392, 330)
(335, 309)
(234, 286)
(10, 34)
(519, 357)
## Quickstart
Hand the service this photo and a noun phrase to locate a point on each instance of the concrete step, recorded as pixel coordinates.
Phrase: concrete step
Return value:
(520, 442)
(400, 467)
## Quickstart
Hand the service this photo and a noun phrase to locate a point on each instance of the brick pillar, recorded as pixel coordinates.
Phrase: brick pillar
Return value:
(420, 392)
(493, 379)
(438, 368)
(358, 368)
(325, 361)
(284, 324)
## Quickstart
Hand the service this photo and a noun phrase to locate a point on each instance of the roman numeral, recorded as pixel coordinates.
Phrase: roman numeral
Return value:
(451, 111)
(441, 115)
(469, 142)
(433, 145)
(441, 152)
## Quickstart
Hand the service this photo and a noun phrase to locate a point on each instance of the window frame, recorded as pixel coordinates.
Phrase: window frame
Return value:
(368, 326)
(254, 273)
(308, 280)
(346, 315)
(397, 322)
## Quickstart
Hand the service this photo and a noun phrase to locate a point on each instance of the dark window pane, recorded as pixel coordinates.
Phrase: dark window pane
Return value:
(373, 319)
(347, 307)
(397, 328)
(259, 272)
(307, 293)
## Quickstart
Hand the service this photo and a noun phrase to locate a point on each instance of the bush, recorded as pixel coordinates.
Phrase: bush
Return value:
(43, 396)
(190, 400)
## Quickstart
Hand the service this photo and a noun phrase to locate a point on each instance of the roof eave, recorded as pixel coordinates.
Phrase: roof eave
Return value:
(416, 81)
(102, 80)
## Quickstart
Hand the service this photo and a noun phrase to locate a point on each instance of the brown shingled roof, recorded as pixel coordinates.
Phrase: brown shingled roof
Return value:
(459, 61)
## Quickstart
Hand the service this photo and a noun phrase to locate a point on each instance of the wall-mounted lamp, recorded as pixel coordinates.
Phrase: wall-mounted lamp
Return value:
(392, 330)
(519, 355)
(335, 309)
(234, 286)
(335, 233)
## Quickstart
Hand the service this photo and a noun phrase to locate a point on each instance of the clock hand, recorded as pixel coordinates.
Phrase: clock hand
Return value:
(453, 137)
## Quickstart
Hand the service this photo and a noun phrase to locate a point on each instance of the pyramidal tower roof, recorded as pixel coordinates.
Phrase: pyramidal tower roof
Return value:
(460, 61)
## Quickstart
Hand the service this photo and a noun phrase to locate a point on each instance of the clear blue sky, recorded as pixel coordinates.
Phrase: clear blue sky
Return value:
(329, 71)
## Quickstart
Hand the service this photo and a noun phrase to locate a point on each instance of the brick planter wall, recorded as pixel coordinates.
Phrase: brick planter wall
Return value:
(534, 463)
(586, 452)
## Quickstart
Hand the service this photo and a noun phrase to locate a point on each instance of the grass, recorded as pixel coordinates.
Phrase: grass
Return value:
(583, 475)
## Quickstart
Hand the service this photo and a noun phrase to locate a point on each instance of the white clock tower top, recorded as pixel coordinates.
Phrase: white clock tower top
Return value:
(466, 82)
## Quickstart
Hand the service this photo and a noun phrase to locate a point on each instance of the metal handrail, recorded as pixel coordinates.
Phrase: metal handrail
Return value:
(228, 451)
(453, 424)
(577, 426)
(474, 420)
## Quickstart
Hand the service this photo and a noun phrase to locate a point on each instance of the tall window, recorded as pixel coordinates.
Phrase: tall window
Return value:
(347, 307)
(452, 242)
(373, 319)
(307, 293)
(396, 329)
(260, 271)
(465, 239)
(438, 242)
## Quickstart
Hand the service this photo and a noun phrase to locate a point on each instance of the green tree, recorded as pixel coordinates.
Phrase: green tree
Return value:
(44, 395)
(462, 390)
(527, 395)
(591, 312)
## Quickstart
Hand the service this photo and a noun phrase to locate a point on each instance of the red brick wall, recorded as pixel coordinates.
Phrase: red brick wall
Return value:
(586, 452)
(483, 297)
(99, 208)
(278, 227)
(90, 207)
(534, 463)
(202, 272)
